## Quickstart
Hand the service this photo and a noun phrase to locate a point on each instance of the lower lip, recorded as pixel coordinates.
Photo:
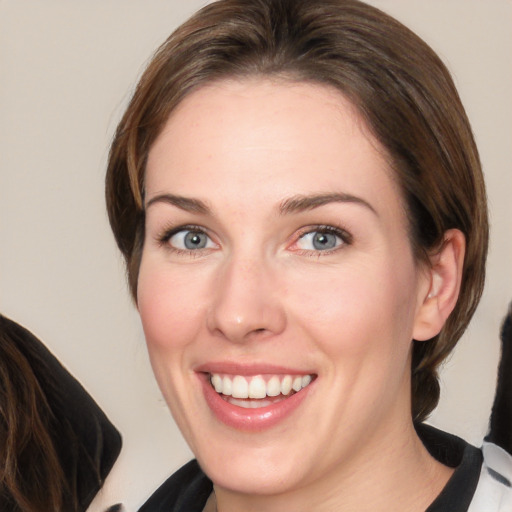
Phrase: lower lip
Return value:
(251, 419)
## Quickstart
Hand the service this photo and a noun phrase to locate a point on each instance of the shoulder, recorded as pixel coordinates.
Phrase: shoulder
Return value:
(186, 490)
(494, 489)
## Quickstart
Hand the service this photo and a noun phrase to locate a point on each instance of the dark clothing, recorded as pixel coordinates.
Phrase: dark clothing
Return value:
(87, 443)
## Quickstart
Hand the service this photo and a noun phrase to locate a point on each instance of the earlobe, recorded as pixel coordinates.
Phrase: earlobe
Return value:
(445, 275)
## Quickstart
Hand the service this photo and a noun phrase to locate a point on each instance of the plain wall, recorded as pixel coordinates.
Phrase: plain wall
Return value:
(67, 71)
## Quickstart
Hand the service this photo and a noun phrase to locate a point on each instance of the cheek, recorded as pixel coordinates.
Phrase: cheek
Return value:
(364, 310)
(168, 305)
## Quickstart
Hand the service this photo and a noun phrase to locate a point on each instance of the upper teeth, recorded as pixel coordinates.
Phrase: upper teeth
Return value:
(238, 386)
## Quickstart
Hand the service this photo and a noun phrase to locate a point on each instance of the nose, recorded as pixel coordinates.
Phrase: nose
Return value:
(246, 303)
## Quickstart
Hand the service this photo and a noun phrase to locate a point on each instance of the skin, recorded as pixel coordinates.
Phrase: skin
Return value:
(261, 292)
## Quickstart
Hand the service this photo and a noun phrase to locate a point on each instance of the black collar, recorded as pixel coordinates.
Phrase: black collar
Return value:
(455, 453)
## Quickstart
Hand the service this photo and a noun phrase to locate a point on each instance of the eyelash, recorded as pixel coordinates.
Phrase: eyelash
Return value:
(345, 237)
(163, 239)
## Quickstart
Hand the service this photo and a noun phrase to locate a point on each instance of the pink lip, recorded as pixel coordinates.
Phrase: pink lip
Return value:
(251, 420)
(232, 368)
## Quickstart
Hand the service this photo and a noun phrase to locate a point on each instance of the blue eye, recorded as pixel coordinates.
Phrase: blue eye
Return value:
(190, 240)
(321, 240)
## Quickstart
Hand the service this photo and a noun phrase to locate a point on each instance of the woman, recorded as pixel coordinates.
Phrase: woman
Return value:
(298, 197)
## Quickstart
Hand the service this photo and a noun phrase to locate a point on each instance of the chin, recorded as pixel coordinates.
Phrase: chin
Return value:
(245, 477)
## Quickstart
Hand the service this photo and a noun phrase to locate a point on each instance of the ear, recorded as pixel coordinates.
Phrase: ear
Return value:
(438, 298)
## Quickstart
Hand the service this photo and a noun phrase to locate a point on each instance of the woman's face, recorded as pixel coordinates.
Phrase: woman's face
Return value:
(276, 256)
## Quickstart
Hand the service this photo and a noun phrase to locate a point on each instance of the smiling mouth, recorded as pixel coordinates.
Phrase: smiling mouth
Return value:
(259, 390)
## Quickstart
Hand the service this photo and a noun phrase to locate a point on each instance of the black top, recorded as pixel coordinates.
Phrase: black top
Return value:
(189, 488)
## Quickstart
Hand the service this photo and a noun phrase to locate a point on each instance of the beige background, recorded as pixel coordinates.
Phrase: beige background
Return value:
(67, 69)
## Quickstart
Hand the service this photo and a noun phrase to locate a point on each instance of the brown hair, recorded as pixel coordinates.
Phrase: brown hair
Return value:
(56, 445)
(401, 88)
(31, 474)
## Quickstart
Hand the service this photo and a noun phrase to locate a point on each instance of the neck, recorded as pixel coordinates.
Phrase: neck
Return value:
(389, 474)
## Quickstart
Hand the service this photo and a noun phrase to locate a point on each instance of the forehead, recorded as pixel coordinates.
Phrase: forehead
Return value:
(242, 135)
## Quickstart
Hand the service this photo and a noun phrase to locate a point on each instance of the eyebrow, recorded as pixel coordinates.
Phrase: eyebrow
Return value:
(184, 203)
(301, 203)
(295, 204)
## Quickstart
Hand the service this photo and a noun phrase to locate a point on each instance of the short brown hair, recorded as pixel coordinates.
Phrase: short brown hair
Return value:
(399, 85)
